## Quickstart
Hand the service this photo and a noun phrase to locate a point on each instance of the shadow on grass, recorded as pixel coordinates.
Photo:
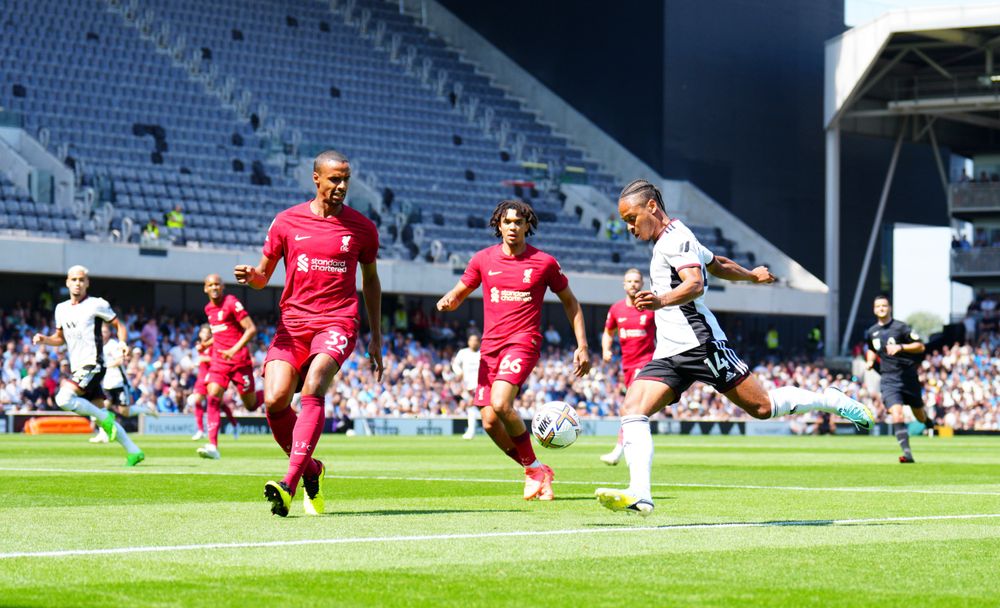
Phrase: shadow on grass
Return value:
(392, 512)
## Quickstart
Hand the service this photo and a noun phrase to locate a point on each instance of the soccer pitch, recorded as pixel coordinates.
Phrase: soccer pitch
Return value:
(741, 521)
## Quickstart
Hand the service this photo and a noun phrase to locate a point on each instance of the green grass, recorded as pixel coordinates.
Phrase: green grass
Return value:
(62, 494)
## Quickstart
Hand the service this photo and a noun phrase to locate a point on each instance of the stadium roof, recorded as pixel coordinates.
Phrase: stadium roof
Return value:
(935, 64)
(921, 75)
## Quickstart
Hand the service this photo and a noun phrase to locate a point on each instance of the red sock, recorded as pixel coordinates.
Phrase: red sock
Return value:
(525, 451)
(305, 436)
(620, 440)
(512, 454)
(213, 419)
(229, 412)
(282, 427)
(199, 415)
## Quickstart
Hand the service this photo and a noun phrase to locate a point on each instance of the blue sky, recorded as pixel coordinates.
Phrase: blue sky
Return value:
(857, 12)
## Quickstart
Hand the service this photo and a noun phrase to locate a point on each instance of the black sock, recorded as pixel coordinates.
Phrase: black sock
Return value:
(903, 437)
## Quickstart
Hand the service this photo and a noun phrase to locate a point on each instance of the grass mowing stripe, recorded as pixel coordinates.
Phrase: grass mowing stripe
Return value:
(427, 537)
(723, 486)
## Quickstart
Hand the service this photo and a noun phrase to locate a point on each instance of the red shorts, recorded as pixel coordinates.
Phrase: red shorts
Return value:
(630, 374)
(223, 373)
(201, 383)
(298, 343)
(512, 363)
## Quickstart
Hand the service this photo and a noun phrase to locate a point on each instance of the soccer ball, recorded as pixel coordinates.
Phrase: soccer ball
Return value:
(556, 425)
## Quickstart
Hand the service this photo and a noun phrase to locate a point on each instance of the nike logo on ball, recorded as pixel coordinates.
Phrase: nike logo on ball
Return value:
(302, 238)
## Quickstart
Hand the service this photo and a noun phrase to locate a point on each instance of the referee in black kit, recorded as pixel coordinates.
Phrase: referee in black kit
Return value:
(896, 350)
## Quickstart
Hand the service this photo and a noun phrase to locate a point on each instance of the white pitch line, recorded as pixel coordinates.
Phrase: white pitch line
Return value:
(721, 486)
(483, 535)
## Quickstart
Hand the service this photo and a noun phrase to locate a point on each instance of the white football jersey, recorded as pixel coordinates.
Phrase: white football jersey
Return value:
(113, 377)
(81, 327)
(466, 363)
(680, 328)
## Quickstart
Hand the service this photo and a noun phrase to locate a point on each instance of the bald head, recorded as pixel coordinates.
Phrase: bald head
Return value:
(214, 287)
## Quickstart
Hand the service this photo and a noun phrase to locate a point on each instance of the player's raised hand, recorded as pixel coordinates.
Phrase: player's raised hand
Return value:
(375, 357)
(581, 362)
(244, 273)
(762, 275)
(38, 339)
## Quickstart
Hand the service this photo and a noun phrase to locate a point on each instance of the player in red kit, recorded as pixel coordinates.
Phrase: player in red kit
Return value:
(637, 337)
(514, 276)
(322, 242)
(232, 329)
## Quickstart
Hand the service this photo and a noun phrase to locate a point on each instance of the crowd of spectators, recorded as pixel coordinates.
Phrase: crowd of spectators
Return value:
(961, 382)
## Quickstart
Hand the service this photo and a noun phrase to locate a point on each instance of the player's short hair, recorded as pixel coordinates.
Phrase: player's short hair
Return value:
(882, 296)
(78, 268)
(523, 208)
(645, 188)
(329, 156)
(633, 271)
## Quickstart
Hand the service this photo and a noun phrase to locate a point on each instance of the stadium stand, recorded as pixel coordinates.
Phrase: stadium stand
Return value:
(959, 381)
(155, 103)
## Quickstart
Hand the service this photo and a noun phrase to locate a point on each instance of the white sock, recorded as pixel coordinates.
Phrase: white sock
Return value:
(617, 451)
(638, 444)
(123, 439)
(81, 406)
(794, 400)
(472, 420)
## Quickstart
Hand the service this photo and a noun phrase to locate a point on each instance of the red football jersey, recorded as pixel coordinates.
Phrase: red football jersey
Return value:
(513, 288)
(321, 256)
(636, 333)
(226, 329)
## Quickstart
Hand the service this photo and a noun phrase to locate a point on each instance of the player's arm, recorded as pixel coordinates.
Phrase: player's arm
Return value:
(122, 332)
(257, 276)
(249, 331)
(870, 357)
(607, 341)
(913, 347)
(691, 287)
(724, 268)
(55, 339)
(574, 312)
(371, 287)
(454, 298)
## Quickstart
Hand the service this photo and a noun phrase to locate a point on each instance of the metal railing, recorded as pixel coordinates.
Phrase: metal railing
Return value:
(978, 261)
(974, 196)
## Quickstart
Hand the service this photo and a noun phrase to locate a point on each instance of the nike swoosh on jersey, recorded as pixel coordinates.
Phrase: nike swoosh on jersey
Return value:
(302, 238)
(492, 273)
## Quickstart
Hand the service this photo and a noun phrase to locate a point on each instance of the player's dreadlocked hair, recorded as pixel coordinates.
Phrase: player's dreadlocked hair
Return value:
(522, 208)
(641, 186)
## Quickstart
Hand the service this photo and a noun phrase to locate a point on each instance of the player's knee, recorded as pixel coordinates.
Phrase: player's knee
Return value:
(500, 406)
(760, 411)
(64, 398)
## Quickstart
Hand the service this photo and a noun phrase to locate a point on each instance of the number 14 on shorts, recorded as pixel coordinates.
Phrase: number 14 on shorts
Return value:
(720, 364)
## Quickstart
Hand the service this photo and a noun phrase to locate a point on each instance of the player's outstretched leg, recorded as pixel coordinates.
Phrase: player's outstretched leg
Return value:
(761, 404)
(612, 457)
(69, 401)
